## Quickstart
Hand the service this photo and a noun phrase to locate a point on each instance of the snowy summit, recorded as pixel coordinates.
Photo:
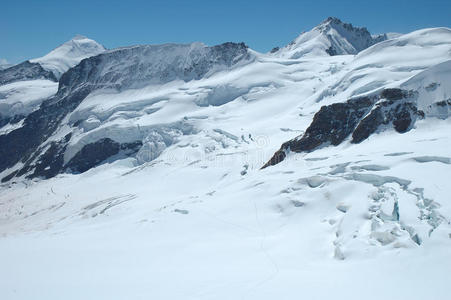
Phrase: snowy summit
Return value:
(69, 54)
(331, 37)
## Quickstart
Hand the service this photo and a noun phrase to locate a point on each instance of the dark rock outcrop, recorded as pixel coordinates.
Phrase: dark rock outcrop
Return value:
(360, 117)
(331, 51)
(396, 108)
(20, 144)
(10, 119)
(94, 154)
(47, 164)
(25, 71)
(443, 103)
(26, 143)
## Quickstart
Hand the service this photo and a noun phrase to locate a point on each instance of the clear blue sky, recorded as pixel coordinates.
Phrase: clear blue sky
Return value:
(30, 29)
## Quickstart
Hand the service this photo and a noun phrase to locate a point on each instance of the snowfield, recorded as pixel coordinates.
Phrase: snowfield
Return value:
(21, 98)
(320, 224)
(191, 214)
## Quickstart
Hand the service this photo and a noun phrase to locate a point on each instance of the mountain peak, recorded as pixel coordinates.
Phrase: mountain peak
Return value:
(337, 24)
(331, 37)
(332, 20)
(79, 37)
(69, 54)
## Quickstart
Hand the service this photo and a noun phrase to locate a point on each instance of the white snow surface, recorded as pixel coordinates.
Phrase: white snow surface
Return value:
(192, 216)
(69, 54)
(4, 64)
(21, 98)
(433, 86)
(392, 35)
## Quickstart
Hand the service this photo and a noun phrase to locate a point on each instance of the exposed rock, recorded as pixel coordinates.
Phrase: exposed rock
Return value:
(25, 71)
(94, 154)
(142, 65)
(274, 50)
(330, 126)
(20, 144)
(278, 157)
(50, 162)
(394, 94)
(443, 103)
(401, 114)
(10, 120)
(331, 51)
(45, 163)
(360, 117)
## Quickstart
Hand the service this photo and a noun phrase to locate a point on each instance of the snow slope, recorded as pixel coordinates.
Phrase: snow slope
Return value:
(69, 54)
(4, 64)
(188, 228)
(191, 215)
(434, 90)
(21, 98)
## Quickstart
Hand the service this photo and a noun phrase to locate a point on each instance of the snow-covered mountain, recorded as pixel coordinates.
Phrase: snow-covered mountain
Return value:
(372, 108)
(69, 54)
(139, 173)
(331, 37)
(113, 71)
(24, 86)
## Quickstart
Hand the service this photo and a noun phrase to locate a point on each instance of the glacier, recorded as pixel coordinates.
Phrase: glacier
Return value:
(136, 172)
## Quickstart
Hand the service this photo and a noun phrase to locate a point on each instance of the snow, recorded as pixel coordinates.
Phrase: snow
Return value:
(389, 64)
(4, 64)
(238, 236)
(69, 54)
(393, 35)
(433, 87)
(21, 98)
(331, 37)
(192, 216)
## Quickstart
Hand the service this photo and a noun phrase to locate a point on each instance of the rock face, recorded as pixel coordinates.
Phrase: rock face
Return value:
(11, 120)
(119, 69)
(21, 144)
(401, 114)
(44, 163)
(25, 71)
(134, 67)
(93, 154)
(360, 117)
